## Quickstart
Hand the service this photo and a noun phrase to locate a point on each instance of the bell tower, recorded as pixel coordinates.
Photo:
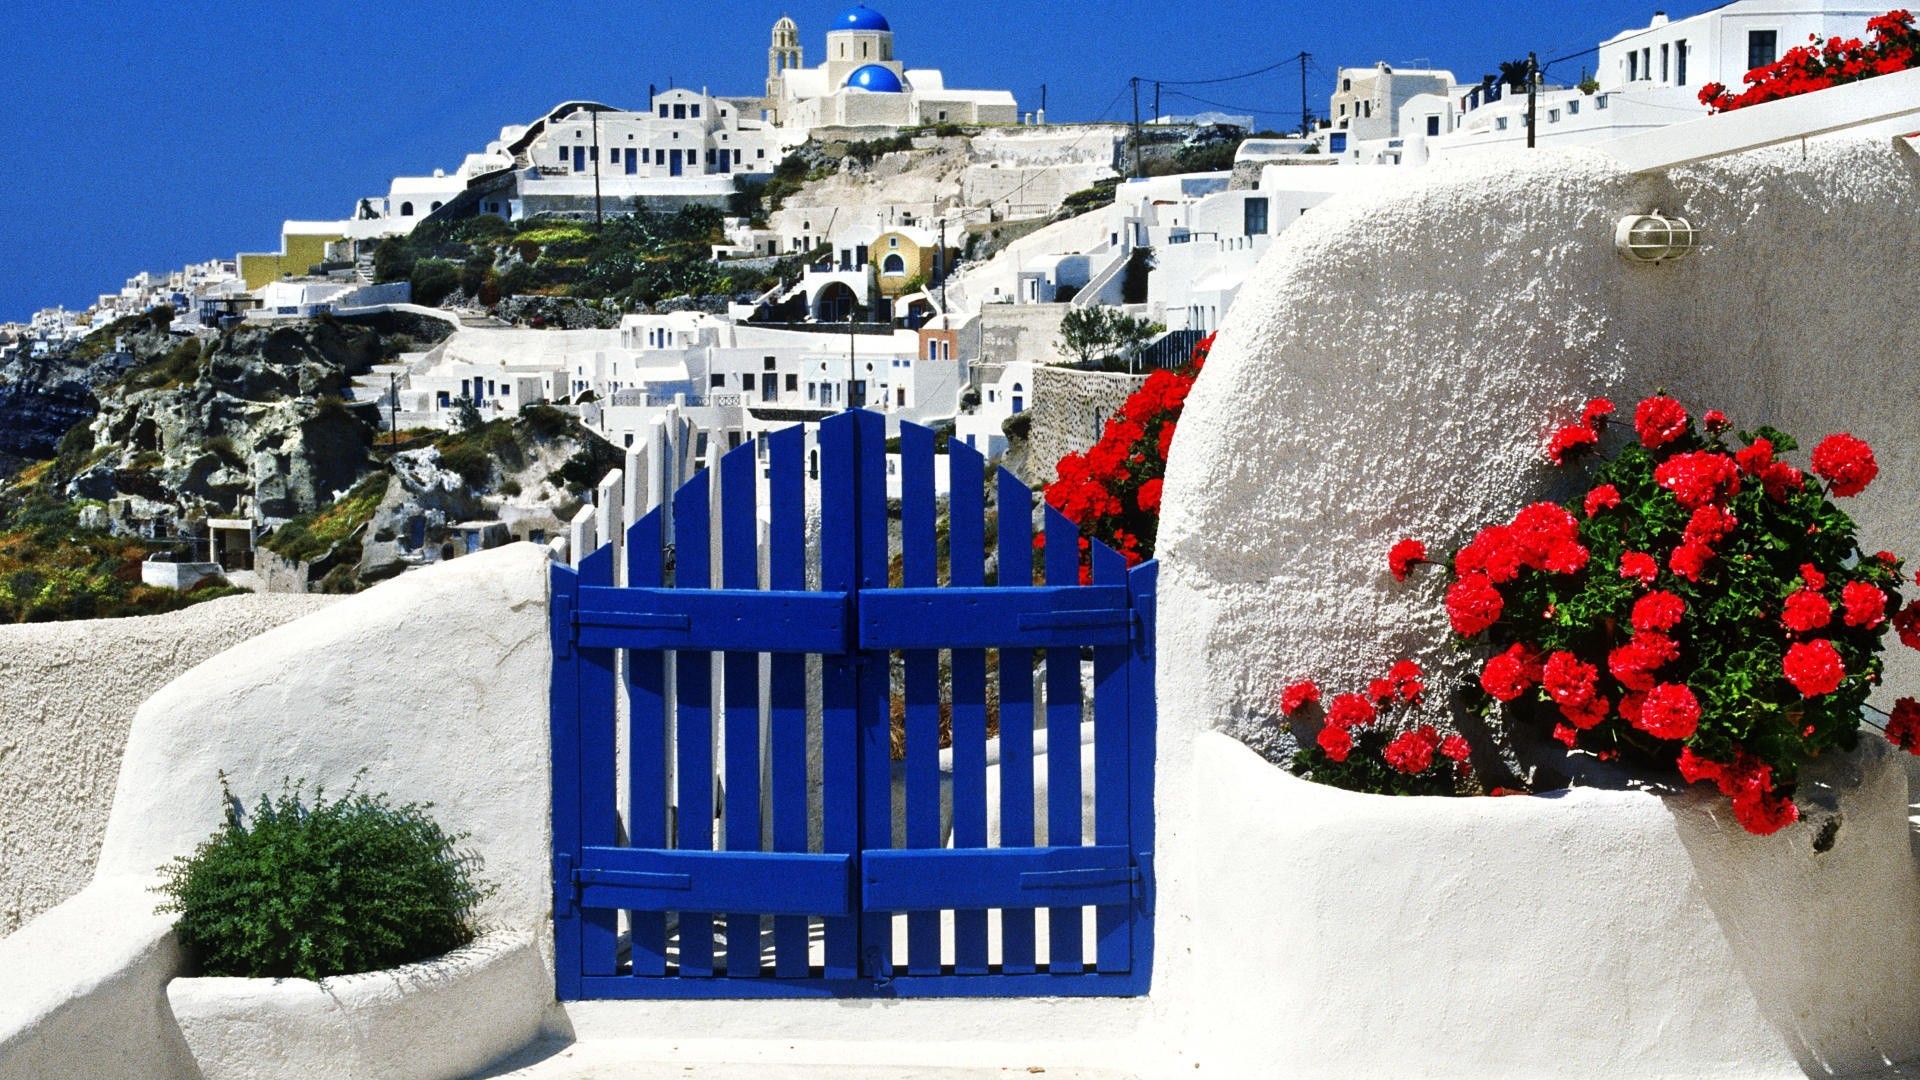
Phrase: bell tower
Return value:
(783, 55)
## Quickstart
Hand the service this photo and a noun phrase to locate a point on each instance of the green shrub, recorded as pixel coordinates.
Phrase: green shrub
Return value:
(470, 460)
(333, 888)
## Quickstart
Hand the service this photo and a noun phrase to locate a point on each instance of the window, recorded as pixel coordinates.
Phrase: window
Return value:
(1553, 116)
(694, 111)
(1433, 125)
(716, 381)
(1665, 69)
(1256, 217)
(406, 209)
(1646, 63)
(663, 112)
(443, 399)
(762, 152)
(1346, 87)
(746, 381)
(1499, 123)
(1633, 66)
(894, 266)
(1573, 108)
(1336, 143)
(1680, 63)
(680, 112)
(793, 383)
(933, 349)
(1762, 48)
(1600, 101)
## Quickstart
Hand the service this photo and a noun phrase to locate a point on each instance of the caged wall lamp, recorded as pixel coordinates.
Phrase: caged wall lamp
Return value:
(1654, 238)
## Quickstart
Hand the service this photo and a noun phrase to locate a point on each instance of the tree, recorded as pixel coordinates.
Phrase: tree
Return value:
(1104, 333)
(1083, 332)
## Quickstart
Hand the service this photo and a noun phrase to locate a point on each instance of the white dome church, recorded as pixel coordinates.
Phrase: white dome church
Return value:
(863, 85)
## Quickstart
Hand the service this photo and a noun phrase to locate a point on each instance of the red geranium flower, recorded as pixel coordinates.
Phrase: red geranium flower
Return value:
(1639, 566)
(1596, 410)
(1411, 752)
(1903, 727)
(1658, 611)
(1764, 815)
(1402, 556)
(1380, 691)
(1698, 478)
(1565, 734)
(1811, 574)
(1492, 553)
(1454, 748)
(1756, 457)
(1659, 420)
(1806, 611)
(1587, 714)
(1570, 439)
(1865, 604)
(1814, 668)
(1670, 711)
(1715, 421)
(1906, 623)
(1709, 525)
(1568, 679)
(1509, 674)
(1604, 497)
(1689, 560)
(1299, 696)
(1473, 604)
(1336, 741)
(1635, 662)
(1846, 463)
(1405, 677)
(1350, 710)
(1149, 495)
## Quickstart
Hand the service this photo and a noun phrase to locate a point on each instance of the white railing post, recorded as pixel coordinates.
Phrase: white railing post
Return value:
(581, 540)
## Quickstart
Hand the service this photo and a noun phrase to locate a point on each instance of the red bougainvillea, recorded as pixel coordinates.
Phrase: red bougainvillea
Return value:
(1893, 46)
(1702, 606)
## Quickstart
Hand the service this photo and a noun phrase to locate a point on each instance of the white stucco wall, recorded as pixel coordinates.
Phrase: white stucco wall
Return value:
(1392, 368)
(68, 692)
(434, 684)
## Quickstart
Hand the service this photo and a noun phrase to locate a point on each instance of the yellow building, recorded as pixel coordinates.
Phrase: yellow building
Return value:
(904, 260)
(300, 250)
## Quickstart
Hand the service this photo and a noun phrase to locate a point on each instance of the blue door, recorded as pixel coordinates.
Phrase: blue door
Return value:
(812, 739)
(673, 163)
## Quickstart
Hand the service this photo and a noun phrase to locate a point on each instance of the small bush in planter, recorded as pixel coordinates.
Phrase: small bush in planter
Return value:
(298, 890)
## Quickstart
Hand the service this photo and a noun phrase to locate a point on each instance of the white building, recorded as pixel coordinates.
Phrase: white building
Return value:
(862, 83)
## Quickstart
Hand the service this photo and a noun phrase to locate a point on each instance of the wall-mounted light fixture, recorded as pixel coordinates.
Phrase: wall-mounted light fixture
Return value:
(1654, 238)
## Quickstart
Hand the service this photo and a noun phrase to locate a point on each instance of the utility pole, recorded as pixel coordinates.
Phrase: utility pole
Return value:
(596, 168)
(393, 409)
(942, 265)
(1306, 114)
(1533, 97)
(1156, 99)
(1136, 126)
(851, 369)
(1043, 102)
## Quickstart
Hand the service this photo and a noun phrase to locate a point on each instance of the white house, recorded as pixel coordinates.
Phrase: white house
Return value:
(862, 84)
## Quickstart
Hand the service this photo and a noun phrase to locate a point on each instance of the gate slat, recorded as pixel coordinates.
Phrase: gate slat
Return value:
(564, 726)
(1016, 718)
(1064, 948)
(1110, 794)
(840, 681)
(787, 722)
(599, 776)
(920, 554)
(873, 677)
(693, 731)
(966, 554)
(647, 745)
(740, 569)
(1142, 744)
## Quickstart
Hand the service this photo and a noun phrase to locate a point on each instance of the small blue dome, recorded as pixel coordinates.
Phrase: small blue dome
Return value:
(878, 79)
(861, 17)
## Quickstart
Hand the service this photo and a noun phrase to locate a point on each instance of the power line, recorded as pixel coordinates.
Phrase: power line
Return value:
(1294, 59)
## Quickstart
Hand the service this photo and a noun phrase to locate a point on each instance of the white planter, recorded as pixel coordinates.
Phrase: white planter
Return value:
(1588, 933)
(439, 1018)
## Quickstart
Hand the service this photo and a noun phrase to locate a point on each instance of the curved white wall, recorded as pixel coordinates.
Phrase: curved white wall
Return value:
(1392, 369)
(68, 692)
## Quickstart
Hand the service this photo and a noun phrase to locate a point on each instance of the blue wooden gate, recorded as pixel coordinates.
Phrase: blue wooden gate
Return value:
(776, 841)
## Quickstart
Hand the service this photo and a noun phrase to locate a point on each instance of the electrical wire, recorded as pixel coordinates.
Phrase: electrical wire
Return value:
(1288, 62)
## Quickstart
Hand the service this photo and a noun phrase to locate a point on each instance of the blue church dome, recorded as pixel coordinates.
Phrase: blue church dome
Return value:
(861, 17)
(878, 79)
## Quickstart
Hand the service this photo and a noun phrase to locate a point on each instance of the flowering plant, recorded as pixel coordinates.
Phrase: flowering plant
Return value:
(1704, 606)
(1113, 490)
(1819, 64)
(1359, 749)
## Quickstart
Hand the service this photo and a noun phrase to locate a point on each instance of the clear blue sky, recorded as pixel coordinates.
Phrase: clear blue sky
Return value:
(148, 136)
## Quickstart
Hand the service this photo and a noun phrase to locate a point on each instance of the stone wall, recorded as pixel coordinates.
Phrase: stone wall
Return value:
(1029, 332)
(68, 692)
(1070, 409)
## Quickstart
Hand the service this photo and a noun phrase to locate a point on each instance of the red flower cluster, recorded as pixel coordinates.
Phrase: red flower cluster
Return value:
(1845, 463)
(1698, 598)
(1820, 64)
(1402, 556)
(1903, 725)
(1748, 781)
(1112, 491)
(1352, 746)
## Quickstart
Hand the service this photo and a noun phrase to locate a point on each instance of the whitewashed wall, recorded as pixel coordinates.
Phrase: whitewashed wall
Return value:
(1392, 369)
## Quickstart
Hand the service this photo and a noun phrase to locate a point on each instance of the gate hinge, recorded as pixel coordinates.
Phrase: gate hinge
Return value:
(564, 616)
(566, 887)
(1143, 881)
